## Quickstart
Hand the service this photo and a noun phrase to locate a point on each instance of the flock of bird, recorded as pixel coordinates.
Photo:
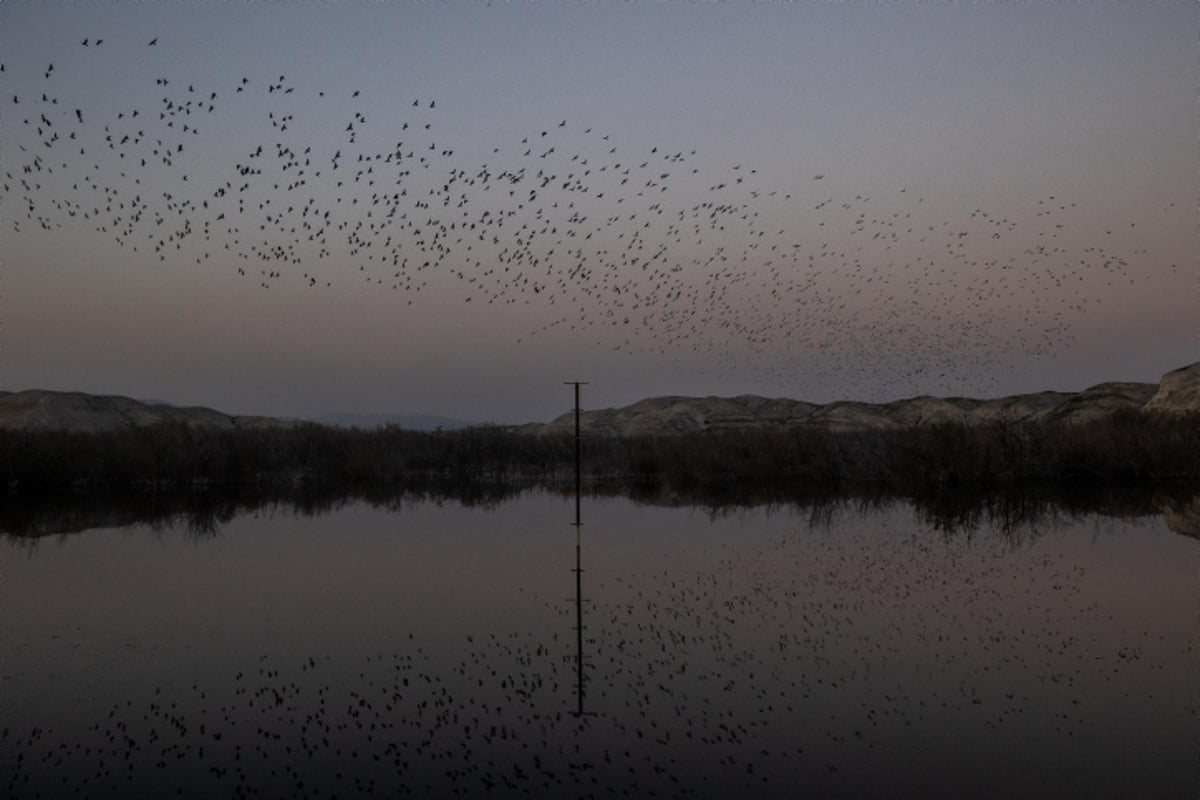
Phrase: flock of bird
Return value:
(765, 655)
(652, 250)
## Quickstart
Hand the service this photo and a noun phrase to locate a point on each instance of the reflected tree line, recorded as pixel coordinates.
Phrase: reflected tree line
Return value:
(203, 512)
(957, 477)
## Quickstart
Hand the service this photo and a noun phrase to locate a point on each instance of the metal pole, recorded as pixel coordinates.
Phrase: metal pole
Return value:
(578, 461)
(578, 560)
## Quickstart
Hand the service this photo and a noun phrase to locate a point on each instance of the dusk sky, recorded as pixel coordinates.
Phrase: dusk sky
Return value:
(304, 208)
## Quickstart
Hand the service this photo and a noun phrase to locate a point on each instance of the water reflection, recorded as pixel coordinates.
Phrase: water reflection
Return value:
(204, 513)
(579, 627)
(415, 645)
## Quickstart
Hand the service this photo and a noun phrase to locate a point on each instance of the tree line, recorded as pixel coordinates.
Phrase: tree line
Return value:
(1128, 447)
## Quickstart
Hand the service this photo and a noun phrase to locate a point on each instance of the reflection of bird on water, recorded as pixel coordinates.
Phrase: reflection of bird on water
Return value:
(762, 655)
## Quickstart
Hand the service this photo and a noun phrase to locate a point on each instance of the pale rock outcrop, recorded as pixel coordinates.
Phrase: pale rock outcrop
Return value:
(1183, 519)
(1178, 392)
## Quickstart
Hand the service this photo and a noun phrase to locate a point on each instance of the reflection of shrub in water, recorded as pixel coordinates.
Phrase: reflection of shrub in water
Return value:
(203, 513)
(199, 513)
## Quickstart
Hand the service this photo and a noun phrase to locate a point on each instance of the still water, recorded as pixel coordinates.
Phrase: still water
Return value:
(429, 649)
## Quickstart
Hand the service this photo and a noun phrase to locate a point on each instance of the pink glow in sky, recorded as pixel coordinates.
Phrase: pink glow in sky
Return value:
(457, 207)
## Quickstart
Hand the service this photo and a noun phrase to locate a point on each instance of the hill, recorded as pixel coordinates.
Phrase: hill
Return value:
(1178, 392)
(41, 410)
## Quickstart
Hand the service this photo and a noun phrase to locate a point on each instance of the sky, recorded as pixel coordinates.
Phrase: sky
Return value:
(452, 208)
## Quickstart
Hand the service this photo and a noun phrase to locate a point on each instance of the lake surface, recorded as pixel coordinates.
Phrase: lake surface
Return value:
(428, 649)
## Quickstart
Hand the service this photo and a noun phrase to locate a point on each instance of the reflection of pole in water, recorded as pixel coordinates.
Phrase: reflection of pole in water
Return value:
(578, 523)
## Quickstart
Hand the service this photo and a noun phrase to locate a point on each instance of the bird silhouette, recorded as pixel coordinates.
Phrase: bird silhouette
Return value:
(654, 251)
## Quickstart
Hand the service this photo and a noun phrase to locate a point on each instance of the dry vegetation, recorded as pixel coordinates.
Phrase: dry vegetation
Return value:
(1127, 448)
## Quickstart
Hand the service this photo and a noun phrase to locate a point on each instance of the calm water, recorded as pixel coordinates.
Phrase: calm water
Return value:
(430, 650)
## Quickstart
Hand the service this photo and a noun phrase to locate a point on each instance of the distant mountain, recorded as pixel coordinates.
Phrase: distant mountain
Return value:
(689, 414)
(412, 422)
(41, 410)
(38, 409)
(1179, 392)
